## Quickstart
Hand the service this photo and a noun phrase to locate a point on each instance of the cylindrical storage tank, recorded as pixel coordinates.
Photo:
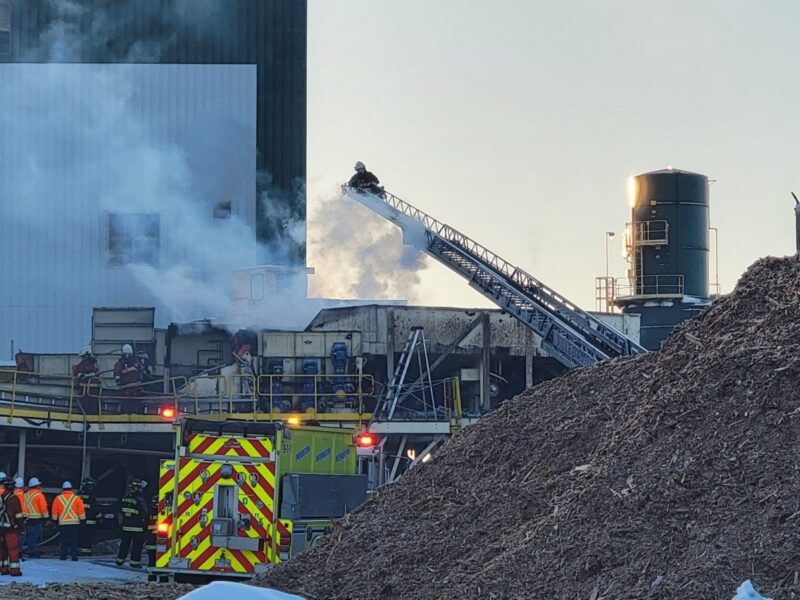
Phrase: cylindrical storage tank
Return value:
(668, 251)
(673, 203)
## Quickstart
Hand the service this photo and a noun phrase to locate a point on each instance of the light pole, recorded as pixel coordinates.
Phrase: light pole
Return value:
(609, 236)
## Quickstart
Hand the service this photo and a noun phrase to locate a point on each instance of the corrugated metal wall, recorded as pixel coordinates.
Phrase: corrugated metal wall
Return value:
(60, 172)
(270, 34)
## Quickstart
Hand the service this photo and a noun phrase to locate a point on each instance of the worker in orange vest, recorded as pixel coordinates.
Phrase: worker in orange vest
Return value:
(68, 512)
(12, 519)
(35, 508)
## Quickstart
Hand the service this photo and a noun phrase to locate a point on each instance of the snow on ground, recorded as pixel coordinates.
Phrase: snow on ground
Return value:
(239, 591)
(40, 571)
(746, 591)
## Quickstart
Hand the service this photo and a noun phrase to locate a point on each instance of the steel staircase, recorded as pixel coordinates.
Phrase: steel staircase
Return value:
(568, 333)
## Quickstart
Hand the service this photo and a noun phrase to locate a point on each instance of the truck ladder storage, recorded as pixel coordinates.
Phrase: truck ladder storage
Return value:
(569, 334)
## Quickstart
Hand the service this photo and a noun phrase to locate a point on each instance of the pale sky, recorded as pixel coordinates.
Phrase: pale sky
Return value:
(519, 122)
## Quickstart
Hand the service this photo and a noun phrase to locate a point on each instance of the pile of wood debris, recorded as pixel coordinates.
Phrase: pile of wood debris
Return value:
(671, 474)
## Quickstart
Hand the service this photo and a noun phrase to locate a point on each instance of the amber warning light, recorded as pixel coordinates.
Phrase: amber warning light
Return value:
(168, 412)
(366, 440)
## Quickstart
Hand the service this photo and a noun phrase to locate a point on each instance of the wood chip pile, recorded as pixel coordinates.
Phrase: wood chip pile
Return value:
(670, 475)
(95, 591)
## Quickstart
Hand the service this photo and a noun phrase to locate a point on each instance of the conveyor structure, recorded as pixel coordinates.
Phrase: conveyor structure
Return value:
(572, 336)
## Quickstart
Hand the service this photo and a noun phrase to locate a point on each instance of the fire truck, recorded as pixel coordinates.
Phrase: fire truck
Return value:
(239, 497)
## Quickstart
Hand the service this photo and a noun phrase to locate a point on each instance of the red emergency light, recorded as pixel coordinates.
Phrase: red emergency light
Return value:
(168, 412)
(365, 440)
(163, 528)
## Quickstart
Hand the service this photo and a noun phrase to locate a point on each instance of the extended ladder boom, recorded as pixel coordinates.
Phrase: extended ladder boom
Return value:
(568, 333)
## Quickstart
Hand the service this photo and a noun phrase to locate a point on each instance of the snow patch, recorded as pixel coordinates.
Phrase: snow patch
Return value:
(746, 591)
(43, 571)
(240, 591)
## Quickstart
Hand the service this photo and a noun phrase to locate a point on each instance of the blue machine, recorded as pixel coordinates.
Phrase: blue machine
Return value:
(309, 384)
(342, 386)
(280, 401)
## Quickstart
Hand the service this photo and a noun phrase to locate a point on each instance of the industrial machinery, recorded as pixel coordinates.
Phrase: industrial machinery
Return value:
(569, 334)
(240, 496)
(667, 247)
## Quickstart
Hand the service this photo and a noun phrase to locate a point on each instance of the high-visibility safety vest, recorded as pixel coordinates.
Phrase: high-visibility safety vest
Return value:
(68, 509)
(35, 506)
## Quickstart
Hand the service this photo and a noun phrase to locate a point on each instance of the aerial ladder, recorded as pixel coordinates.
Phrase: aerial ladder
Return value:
(572, 336)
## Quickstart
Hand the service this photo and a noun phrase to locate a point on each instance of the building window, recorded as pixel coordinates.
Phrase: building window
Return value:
(223, 210)
(257, 288)
(133, 238)
(5, 28)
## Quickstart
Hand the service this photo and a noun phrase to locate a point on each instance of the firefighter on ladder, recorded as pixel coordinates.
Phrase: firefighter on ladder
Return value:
(68, 512)
(12, 520)
(35, 513)
(86, 532)
(133, 518)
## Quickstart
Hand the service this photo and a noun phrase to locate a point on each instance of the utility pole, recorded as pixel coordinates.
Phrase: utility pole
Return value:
(796, 222)
(609, 287)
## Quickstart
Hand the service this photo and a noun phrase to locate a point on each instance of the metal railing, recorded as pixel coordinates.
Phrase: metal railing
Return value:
(650, 286)
(649, 233)
(574, 317)
(242, 396)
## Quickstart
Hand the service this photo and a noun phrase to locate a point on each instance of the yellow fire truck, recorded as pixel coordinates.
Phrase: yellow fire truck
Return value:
(240, 496)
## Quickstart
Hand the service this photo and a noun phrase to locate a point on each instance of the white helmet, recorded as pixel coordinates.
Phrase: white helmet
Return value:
(66, 485)
(359, 166)
(127, 349)
(2, 475)
(34, 481)
(19, 482)
(86, 351)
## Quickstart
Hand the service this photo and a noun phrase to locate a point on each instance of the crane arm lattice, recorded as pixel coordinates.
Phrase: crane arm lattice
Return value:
(568, 333)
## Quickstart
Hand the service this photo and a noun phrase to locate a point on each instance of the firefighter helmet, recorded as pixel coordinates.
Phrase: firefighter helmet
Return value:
(86, 351)
(360, 166)
(127, 349)
(9, 483)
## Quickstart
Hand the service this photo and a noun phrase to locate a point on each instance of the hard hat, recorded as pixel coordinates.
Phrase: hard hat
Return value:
(34, 481)
(360, 165)
(66, 485)
(18, 482)
(86, 351)
(2, 475)
(127, 349)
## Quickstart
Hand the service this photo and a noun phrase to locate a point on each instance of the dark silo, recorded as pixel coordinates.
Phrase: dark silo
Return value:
(668, 250)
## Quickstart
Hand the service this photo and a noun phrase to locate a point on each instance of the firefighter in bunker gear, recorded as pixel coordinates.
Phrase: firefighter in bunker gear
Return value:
(133, 518)
(19, 492)
(128, 372)
(68, 512)
(35, 508)
(364, 180)
(12, 519)
(86, 531)
(152, 533)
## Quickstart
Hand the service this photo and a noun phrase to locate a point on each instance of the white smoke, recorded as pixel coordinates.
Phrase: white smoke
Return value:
(358, 254)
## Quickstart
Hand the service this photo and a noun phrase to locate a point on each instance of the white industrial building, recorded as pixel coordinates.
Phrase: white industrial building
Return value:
(121, 185)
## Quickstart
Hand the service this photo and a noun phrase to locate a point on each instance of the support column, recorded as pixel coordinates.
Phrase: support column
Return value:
(486, 362)
(529, 370)
(23, 450)
(86, 467)
(389, 345)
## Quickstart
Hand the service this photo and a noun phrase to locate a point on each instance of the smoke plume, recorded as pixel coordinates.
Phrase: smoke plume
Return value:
(358, 254)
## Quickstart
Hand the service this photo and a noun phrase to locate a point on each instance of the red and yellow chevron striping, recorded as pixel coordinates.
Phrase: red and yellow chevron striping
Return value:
(234, 446)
